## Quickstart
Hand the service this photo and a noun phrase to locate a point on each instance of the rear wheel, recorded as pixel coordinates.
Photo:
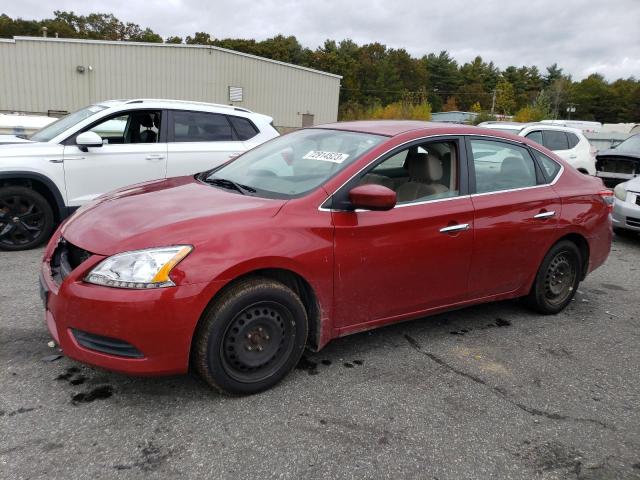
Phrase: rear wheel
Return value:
(251, 337)
(26, 218)
(557, 279)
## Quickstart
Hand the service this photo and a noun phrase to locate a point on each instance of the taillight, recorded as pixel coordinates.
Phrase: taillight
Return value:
(607, 197)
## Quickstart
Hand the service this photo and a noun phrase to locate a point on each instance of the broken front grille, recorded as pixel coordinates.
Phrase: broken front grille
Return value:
(618, 165)
(65, 259)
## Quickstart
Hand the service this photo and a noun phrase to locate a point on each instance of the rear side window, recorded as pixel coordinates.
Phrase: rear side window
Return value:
(535, 136)
(244, 128)
(201, 127)
(549, 167)
(555, 140)
(501, 166)
(573, 139)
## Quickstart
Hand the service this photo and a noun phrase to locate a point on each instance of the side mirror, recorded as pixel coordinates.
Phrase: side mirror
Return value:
(88, 139)
(372, 197)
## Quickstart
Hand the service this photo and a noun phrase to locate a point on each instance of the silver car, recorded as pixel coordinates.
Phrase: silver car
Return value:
(626, 210)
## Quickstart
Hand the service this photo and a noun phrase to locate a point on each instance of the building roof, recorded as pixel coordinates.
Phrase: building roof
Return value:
(169, 45)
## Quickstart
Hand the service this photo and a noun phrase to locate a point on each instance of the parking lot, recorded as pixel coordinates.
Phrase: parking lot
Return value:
(487, 392)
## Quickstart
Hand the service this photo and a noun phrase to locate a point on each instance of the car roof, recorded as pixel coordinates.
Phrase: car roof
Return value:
(391, 128)
(171, 103)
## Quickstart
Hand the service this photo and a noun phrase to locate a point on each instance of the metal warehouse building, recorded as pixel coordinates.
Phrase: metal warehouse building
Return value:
(41, 75)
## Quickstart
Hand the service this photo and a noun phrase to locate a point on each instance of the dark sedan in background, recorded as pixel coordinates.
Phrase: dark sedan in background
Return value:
(620, 163)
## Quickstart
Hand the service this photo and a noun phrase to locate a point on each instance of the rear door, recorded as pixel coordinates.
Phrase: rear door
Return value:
(515, 214)
(134, 150)
(199, 141)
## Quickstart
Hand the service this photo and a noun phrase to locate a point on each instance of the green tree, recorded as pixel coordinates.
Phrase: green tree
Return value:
(199, 38)
(505, 97)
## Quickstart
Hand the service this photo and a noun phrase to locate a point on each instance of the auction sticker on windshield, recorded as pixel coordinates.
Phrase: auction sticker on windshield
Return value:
(334, 157)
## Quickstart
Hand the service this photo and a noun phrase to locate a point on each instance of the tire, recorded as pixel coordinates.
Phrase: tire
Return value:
(557, 279)
(623, 232)
(26, 218)
(251, 337)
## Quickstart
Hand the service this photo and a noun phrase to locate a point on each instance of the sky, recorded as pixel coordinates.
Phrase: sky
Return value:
(582, 36)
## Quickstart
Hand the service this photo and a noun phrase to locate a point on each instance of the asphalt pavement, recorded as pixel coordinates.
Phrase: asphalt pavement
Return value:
(493, 391)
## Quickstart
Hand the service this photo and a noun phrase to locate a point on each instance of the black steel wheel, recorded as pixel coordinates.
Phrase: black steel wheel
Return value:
(252, 335)
(258, 341)
(560, 278)
(26, 218)
(557, 279)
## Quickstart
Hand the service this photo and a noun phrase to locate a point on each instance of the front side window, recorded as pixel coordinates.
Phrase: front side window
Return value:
(293, 164)
(140, 126)
(59, 126)
(501, 166)
(555, 140)
(423, 172)
(201, 127)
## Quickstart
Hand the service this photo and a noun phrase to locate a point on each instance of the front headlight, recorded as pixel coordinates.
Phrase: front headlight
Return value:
(620, 192)
(139, 269)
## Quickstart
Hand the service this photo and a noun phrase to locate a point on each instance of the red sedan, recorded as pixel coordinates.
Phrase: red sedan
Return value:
(317, 234)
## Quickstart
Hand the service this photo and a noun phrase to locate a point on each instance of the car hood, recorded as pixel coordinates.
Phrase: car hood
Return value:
(7, 139)
(614, 152)
(29, 148)
(177, 211)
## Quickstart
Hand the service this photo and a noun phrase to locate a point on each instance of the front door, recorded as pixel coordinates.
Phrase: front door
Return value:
(132, 152)
(415, 257)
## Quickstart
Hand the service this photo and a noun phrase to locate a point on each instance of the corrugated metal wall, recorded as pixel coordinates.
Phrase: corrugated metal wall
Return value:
(37, 75)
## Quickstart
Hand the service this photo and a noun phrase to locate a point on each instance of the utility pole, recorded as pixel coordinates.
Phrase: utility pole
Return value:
(493, 101)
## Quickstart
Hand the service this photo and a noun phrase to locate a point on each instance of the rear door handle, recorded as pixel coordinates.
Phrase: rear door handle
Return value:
(155, 156)
(234, 155)
(544, 215)
(455, 228)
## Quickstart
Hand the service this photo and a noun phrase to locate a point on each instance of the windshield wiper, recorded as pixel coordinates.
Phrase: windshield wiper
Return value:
(230, 185)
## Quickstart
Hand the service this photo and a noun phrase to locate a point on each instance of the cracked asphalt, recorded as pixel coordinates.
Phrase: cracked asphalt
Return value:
(492, 391)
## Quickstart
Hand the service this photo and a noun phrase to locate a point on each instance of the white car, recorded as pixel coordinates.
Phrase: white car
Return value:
(110, 145)
(570, 144)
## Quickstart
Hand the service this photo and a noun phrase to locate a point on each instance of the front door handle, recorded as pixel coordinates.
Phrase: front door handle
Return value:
(234, 155)
(154, 157)
(455, 228)
(544, 215)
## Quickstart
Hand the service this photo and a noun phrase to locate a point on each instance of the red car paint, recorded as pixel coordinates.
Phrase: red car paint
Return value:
(366, 269)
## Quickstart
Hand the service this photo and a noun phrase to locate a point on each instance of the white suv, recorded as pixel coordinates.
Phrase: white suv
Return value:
(570, 144)
(110, 145)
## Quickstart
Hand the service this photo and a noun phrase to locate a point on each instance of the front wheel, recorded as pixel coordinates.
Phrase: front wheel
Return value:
(557, 279)
(251, 337)
(26, 218)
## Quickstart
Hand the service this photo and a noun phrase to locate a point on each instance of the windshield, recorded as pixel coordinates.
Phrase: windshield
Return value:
(630, 144)
(295, 163)
(56, 128)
